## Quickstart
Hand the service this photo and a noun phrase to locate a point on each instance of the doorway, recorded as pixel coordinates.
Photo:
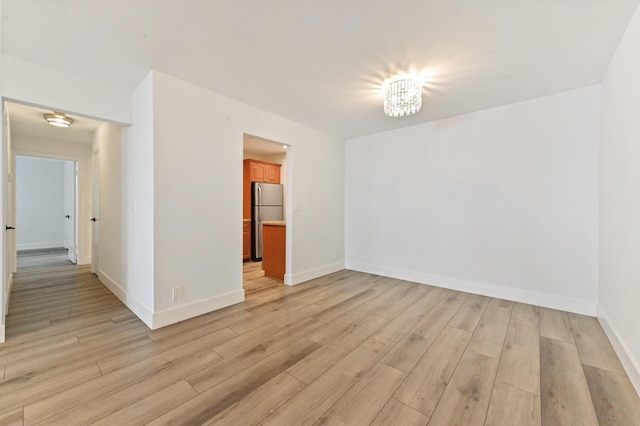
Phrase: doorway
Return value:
(45, 211)
(27, 134)
(265, 169)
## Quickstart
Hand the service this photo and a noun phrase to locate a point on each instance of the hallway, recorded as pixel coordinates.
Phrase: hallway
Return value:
(42, 258)
(50, 293)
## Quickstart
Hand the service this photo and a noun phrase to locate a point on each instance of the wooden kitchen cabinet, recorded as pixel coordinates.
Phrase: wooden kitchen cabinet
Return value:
(272, 173)
(261, 171)
(274, 250)
(246, 240)
(256, 171)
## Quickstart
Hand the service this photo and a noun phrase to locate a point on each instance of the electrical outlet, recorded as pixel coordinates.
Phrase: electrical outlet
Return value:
(176, 293)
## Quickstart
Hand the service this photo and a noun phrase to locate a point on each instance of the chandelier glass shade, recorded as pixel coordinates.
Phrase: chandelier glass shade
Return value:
(58, 119)
(402, 95)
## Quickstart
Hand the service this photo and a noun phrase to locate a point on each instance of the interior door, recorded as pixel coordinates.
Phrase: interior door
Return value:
(95, 228)
(4, 261)
(70, 205)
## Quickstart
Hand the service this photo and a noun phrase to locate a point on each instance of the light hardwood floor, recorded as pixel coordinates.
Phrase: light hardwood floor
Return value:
(349, 348)
(42, 258)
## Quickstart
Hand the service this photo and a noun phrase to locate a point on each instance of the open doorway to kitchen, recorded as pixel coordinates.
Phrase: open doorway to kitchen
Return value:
(265, 170)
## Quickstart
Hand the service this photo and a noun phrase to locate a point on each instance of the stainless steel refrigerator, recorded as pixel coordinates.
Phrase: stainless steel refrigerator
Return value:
(266, 204)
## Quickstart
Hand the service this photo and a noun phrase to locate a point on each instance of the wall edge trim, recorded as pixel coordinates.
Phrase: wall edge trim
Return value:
(553, 301)
(200, 307)
(141, 311)
(301, 277)
(629, 363)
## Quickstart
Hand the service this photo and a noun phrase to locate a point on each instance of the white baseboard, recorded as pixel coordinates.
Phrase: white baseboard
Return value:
(141, 311)
(293, 279)
(35, 246)
(183, 312)
(173, 315)
(629, 362)
(1, 333)
(579, 306)
(8, 295)
(84, 260)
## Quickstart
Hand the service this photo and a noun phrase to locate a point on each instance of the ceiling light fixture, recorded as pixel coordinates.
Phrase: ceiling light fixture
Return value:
(58, 119)
(402, 95)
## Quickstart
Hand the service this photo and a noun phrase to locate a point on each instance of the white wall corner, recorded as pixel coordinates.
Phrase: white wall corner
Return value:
(563, 303)
(85, 260)
(141, 311)
(301, 277)
(191, 310)
(629, 362)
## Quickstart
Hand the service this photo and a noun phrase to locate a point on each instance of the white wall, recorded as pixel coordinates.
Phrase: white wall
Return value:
(197, 136)
(40, 197)
(108, 142)
(23, 144)
(138, 204)
(620, 201)
(28, 82)
(501, 202)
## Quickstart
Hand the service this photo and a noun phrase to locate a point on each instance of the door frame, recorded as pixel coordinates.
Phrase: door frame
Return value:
(70, 205)
(80, 199)
(71, 209)
(289, 204)
(95, 211)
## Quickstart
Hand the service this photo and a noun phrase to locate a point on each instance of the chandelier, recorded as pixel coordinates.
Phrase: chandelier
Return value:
(402, 95)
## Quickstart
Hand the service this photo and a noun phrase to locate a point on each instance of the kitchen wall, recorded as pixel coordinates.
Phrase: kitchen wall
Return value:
(40, 197)
(502, 202)
(620, 201)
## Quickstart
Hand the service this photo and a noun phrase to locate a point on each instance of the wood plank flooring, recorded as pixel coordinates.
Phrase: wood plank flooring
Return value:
(348, 348)
(42, 258)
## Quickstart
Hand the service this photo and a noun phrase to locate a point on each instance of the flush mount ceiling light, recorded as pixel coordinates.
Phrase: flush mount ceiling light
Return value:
(58, 119)
(402, 95)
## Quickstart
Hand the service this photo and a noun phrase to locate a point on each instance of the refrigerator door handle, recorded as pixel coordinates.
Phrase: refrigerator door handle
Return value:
(259, 202)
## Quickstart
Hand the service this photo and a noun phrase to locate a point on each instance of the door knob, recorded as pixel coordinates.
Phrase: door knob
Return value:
(7, 227)
(68, 217)
(93, 219)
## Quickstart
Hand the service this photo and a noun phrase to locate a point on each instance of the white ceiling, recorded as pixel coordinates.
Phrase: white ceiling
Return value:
(30, 120)
(259, 146)
(321, 63)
